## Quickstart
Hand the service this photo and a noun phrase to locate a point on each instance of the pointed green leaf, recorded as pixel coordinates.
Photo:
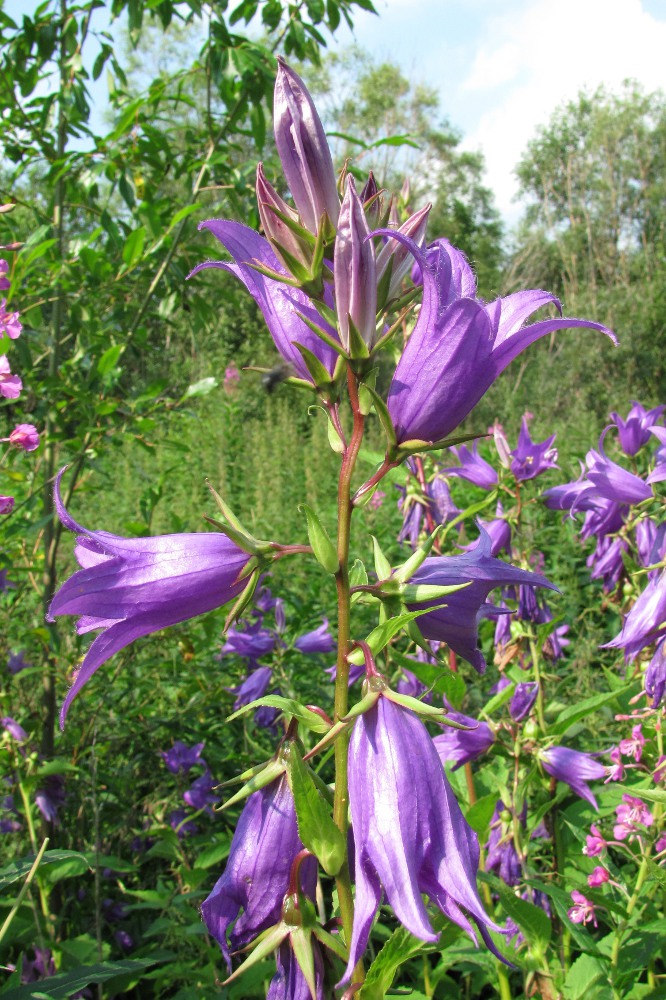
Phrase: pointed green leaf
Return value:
(290, 707)
(382, 565)
(382, 634)
(316, 828)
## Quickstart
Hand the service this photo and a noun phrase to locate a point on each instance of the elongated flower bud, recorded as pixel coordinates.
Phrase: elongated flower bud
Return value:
(283, 239)
(398, 255)
(303, 150)
(355, 270)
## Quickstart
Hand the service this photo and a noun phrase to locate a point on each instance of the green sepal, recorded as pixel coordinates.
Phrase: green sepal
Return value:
(323, 335)
(322, 546)
(316, 828)
(330, 941)
(336, 730)
(272, 770)
(358, 349)
(358, 575)
(243, 598)
(290, 707)
(245, 775)
(420, 707)
(319, 373)
(384, 416)
(301, 944)
(365, 399)
(243, 541)
(420, 592)
(382, 565)
(327, 314)
(334, 439)
(265, 945)
(295, 227)
(368, 701)
(409, 567)
(227, 512)
(382, 634)
(268, 272)
(415, 446)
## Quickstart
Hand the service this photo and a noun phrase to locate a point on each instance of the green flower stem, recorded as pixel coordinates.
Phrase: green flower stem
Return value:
(534, 653)
(624, 923)
(24, 889)
(341, 798)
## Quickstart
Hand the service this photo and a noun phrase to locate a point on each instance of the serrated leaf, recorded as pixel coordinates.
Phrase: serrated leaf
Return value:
(316, 828)
(399, 948)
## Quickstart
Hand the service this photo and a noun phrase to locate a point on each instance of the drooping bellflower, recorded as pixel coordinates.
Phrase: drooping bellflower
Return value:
(634, 432)
(574, 768)
(130, 587)
(410, 836)
(463, 745)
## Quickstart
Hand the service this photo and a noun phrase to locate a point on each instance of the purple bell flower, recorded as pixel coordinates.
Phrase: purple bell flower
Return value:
(409, 684)
(522, 700)
(499, 531)
(531, 458)
(612, 481)
(459, 346)
(254, 686)
(180, 758)
(501, 856)
(15, 730)
(410, 835)
(574, 768)
(473, 467)
(463, 745)
(17, 662)
(250, 642)
(651, 543)
(130, 587)
(634, 432)
(200, 793)
(50, 797)
(605, 563)
(319, 640)
(606, 517)
(442, 505)
(655, 675)
(457, 622)
(256, 877)
(278, 302)
(646, 622)
(289, 983)
(183, 826)
(303, 150)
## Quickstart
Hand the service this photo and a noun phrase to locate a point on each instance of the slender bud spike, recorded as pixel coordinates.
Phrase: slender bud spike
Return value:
(303, 150)
(355, 271)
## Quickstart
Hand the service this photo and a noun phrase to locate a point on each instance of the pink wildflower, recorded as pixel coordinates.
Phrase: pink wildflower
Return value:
(6, 505)
(10, 385)
(660, 845)
(598, 877)
(9, 322)
(4, 280)
(595, 842)
(24, 436)
(231, 378)
(583, 910)
(616, 770)
(376, 500)
(659, 773)
(631, 812)
(633, 747)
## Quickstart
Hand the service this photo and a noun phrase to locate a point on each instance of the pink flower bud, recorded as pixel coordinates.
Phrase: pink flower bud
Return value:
(598, 877)
(25, 436)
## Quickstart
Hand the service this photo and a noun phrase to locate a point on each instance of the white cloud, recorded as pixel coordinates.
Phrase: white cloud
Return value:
(542, 54)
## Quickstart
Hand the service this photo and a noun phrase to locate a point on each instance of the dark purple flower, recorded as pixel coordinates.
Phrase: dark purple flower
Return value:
(180, 758)
(606, 562)
(355, 272)
(319, 640)
(457, 622)
(522, 700)
(123, 940)
(303, 150)
(604, 518)
(130, 587)
(441, 504)
(254, 686)
(459, 346)
(574, 496)
(463, 745)
(265, 716)
(655, 675)
(408, 683)
(473, 467)
(278, 302)
(7, 813)
(256, 877)
(531, 458)
(200, 793)
(574, 768)
(646, 622)
(651, 543)
(50, 797)
(501, 856)
(250, 642)
(17, 662)
(634, 432)
(179, 822)
(410, 835)
(289, 983)
(42, 967)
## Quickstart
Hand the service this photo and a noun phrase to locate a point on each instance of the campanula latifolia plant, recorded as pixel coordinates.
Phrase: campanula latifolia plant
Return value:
(356, 828)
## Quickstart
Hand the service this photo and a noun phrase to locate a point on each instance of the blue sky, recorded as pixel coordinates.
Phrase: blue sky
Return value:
(501, 68)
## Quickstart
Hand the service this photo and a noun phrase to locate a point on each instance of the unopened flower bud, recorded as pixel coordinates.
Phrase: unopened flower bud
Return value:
(303, 150)
(355, 271)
